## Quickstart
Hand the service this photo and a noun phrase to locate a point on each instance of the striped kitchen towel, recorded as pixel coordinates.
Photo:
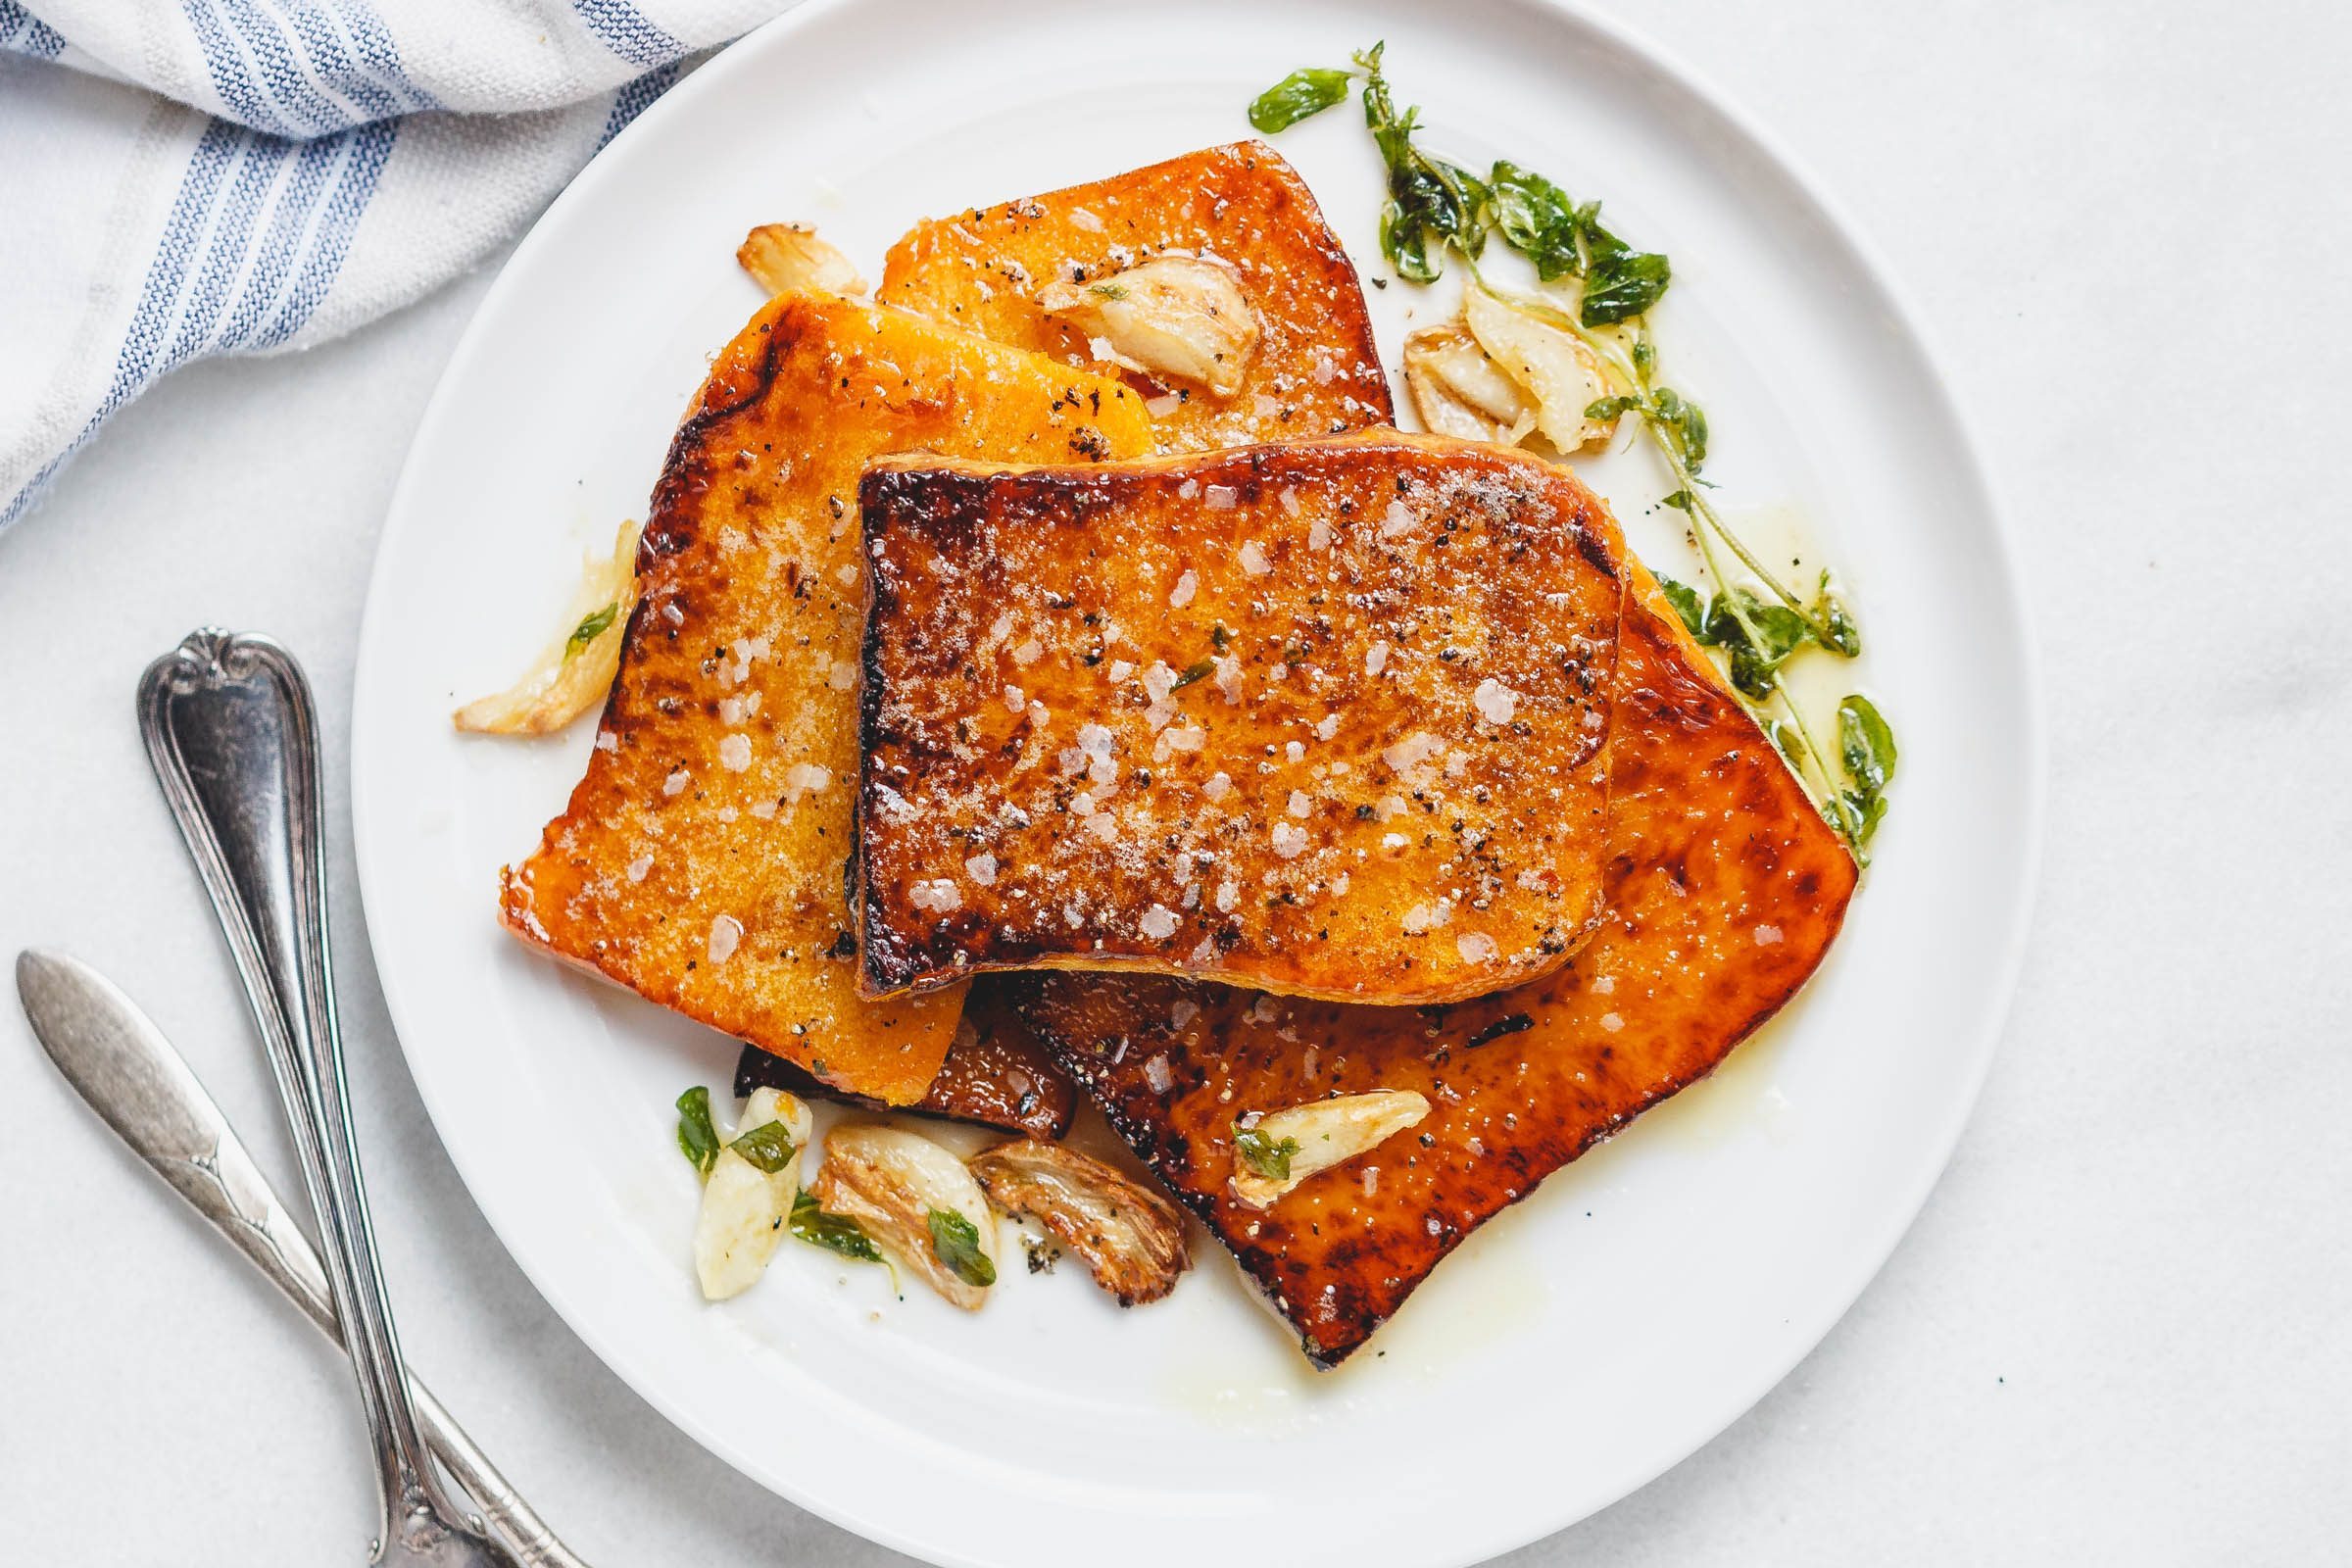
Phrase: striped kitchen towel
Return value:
(185, 178)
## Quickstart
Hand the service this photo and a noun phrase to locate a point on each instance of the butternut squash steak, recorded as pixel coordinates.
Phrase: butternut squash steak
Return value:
(1725, 889)
(1328, 719)
(700, 861)
(1315, 368)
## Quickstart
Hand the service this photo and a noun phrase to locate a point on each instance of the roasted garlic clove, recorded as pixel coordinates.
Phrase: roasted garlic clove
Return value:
(575, 673)
(1458, 390)
(1552, 365)
(917, 1201)
(1284, 1147)
(747, 1199)
(1174, 318)
(788, 258)
(1132, 1238)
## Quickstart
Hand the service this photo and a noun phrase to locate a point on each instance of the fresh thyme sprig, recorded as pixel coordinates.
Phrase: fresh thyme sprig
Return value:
(1435, 206)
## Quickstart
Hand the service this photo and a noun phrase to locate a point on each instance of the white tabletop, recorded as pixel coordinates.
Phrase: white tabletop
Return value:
(2121, 1331)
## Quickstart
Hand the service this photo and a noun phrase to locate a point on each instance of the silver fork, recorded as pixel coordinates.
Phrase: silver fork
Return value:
(232, 733)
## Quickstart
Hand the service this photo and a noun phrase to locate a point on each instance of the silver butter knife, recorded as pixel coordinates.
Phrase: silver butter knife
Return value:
(119, 1061)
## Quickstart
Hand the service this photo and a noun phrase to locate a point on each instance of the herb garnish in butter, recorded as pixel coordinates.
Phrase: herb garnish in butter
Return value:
(1433, 207)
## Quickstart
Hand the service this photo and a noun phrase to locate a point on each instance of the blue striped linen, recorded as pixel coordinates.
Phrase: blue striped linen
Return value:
(250, 208)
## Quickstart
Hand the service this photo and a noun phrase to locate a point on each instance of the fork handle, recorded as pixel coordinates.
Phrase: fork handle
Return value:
(233, 735)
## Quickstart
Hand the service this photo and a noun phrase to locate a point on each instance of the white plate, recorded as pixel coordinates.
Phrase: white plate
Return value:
(1580, 1343)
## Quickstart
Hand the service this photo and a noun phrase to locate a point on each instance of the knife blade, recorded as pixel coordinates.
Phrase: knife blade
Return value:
(119, 1062)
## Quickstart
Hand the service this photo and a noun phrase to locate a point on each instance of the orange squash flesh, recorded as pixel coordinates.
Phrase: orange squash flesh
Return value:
(1316, 371)
(700, 861)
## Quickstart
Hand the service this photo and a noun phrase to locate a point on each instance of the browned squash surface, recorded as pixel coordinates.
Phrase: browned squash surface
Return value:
(1315, 367)
(1315, 370)
(997, 1073)
(1326, 719)
(1724, 890)
(700, 861)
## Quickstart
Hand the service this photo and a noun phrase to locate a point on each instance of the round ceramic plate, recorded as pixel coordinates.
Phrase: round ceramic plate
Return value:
(1576, 1347)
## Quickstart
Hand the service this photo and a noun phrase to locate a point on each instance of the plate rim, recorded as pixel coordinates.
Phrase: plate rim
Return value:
(2030, 735)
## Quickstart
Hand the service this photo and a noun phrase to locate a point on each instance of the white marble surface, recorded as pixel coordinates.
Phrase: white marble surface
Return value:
(2121, 1331)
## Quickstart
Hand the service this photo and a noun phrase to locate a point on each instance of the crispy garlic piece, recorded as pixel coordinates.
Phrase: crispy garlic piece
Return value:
(1460, 391)
(1174, 318)
(747, 1199)
(917, 1201)
(1284, 1147)
(575, 673)
(1132, 1238)
(1558, 371)
(789, 258)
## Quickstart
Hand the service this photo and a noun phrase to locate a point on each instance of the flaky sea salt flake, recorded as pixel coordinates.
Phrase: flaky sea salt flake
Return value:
(726, 932)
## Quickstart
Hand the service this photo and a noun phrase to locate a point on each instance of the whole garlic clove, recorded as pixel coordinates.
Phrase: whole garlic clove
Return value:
(573, 673)
(1458, 389)
(745, 1204)
(1132, 1238)
(1284, 1147)
(1173, 318)
(790, 258)
(920, 1203)
(1552, 366)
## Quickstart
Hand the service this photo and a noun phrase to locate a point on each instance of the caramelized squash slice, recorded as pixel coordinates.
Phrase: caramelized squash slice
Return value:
(1313, 369)
(700, 861)
(1724, 890)
(1326, 719)
(997, 1073)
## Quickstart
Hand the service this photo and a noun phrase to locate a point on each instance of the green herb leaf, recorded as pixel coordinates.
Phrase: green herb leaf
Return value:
(1623, 285)
(1781, 631)
(1784, 736)
(769, 1147)
(1690, 606)
(1865, 812)
(1867, 753)
(1680, 501)
(1109, 291)
(1849, 813)
(1537, 220)
(1681, 422)
(1526, 207)
(590, 628)
(1194, 672)
(955, 1242)
(832, 1232)
(1755, 659)
(1406, 245)
(1430, 203)
(1263, 1155)
(1865, 743)
(1753, 674)
(1296, 96)
(698, 1140)
(1834, 623)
